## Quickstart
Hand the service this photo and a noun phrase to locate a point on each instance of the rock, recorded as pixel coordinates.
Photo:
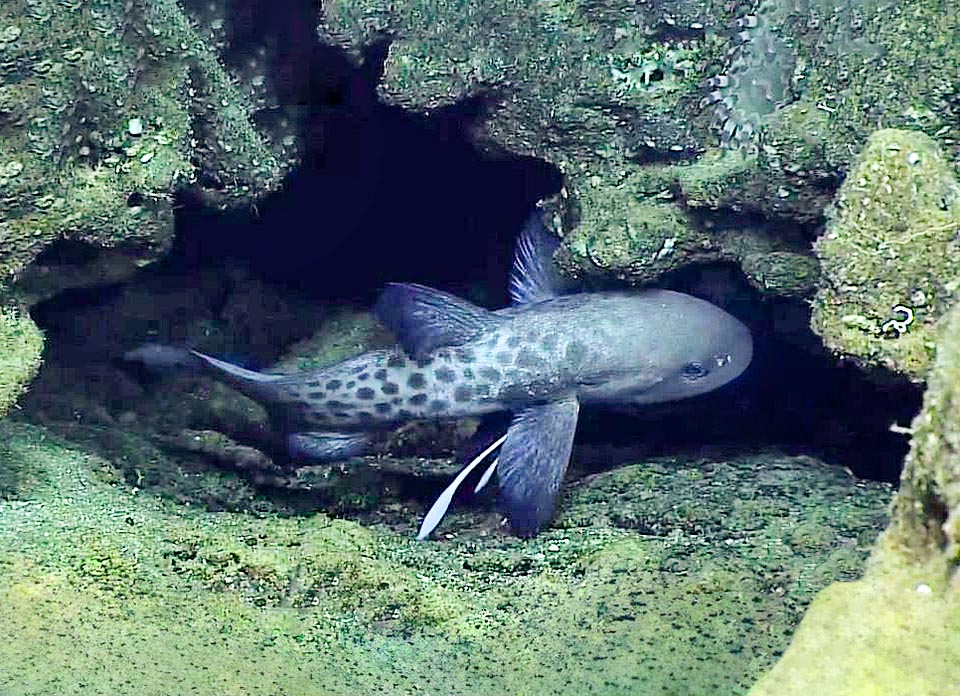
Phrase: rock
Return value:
(897, 630)
(684, 575)
(21, 344)
(890, 258)
(105, 113)
(653, 110)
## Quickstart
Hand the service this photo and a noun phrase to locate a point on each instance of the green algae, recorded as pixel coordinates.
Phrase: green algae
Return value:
(897, 630)
(611, 94)
(637, 586)
(21, 344)
(889, 254)
(106, 110)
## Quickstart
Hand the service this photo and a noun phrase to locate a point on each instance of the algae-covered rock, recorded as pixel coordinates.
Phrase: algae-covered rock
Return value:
(630, 100)
(890, 254)
(20, 346)
(683, 576)
(897, 631)
(107, 109)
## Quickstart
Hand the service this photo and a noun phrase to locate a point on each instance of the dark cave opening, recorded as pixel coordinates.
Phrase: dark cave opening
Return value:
(385, 195)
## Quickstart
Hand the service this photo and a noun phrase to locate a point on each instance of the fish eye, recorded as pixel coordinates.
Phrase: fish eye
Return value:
(693, 371)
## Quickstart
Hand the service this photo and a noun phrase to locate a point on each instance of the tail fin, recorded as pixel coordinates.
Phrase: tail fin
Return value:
(156, 356)
(257, 385)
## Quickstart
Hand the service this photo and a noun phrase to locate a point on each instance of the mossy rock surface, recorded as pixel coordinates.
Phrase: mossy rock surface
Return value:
(615, 95)
(896, 631)
(655, 577)
(21, 344)
(890, 256)
(107, 109)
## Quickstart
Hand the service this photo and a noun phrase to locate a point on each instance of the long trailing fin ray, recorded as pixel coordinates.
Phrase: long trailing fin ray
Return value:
(442, 503)
(424, 319)
(485, 477)
(533, 461)
(533, 279)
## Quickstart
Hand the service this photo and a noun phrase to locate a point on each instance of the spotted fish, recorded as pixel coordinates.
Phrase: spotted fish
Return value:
(539, 360)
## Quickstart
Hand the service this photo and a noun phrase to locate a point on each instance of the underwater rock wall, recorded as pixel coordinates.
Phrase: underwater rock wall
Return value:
(678, 576)
(632, 100)
(20, 346)
(897, 630)
(108, 108)
(890, 256)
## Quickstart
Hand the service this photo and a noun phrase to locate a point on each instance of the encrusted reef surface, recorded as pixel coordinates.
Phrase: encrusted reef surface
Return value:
(890, 254)
(674, 576)
(106, 109)
(20, 347)
(657, 111)
(898, 629)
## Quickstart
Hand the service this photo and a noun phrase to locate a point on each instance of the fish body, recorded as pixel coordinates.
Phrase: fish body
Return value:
(538, 359)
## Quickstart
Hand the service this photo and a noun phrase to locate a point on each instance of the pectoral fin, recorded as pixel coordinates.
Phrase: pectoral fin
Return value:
(532, 463)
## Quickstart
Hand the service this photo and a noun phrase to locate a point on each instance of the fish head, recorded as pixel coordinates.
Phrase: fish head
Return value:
(708, 348)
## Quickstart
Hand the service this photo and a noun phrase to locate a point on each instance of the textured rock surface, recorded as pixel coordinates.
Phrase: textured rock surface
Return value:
(656, 577)
(890, 255)
(627, 99)
(20, 347)
(106, 109)
(898, 629)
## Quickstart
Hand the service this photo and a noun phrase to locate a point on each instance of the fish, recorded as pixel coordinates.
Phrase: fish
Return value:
(539, 360)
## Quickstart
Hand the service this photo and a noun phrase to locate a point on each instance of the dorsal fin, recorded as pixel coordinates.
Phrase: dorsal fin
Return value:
(424, 319)
(533, 278)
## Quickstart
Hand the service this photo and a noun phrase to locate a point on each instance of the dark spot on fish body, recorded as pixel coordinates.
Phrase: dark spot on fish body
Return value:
(363, 377)
(365, 394)
(417, 399)
(396, 401)
(383, 408)
(356, 369)
(463, 392)
(424, 362)
(467, 373)
(445, 374)
(316, 395)
(464, 355)
(315, 384)
(490, 374)
(380, 374)
(334, 384)
(416, 380)
(526, 358)
(389, 388)
(504, 357)
(405, 414)
(396, 360)
(333, 404)
(351, 384)
(438, 405)
(365, 416)
(342, 415)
